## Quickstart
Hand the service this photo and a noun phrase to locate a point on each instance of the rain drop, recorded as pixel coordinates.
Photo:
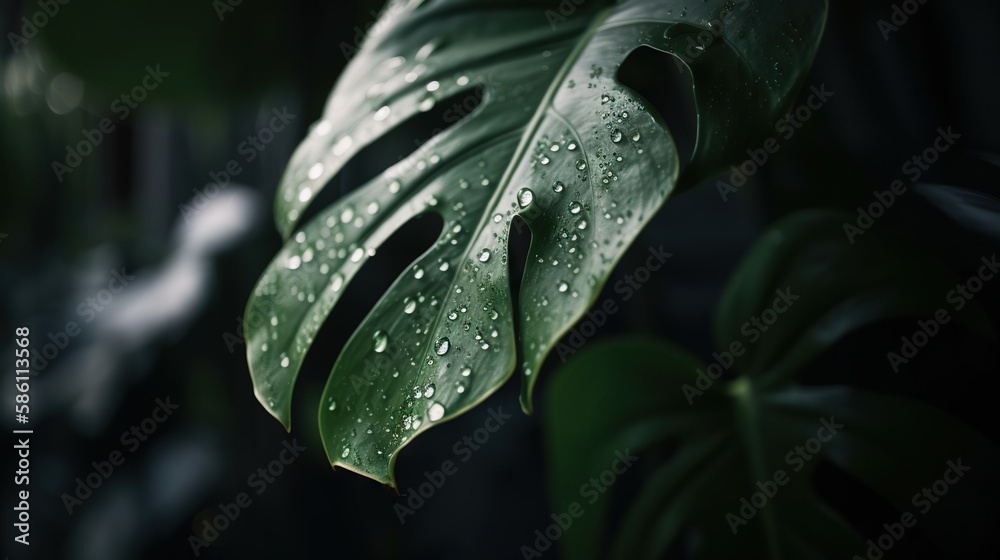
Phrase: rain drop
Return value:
(524, 197)
(436, 412)
(381, 341)
(441, 347)
(342, 146)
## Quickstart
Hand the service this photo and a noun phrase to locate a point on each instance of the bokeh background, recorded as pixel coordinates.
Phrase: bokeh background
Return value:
(139, 203)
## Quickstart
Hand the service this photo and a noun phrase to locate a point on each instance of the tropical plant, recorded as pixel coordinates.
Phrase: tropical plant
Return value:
(740, 452)
(557, 141)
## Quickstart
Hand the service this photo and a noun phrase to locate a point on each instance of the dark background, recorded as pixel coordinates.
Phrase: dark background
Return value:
(122, 208)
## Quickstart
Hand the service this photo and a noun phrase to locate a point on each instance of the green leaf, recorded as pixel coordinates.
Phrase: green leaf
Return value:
(557, 140)
(839, 283)
(627, 395)
(647, 396)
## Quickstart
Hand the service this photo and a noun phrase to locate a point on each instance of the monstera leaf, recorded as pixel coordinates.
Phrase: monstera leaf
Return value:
(556, 140)
(759, 436)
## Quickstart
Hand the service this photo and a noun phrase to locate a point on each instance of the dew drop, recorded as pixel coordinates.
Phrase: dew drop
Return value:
(410, 307)
(336, 282)
(581, 165)
(342, 146)
(382, 113)
(558, 187)
(484, 255)
(575, 207)
(381, 341)
(436, 412)
(563, 286)
(616, 136)
(347, 451)
(322, 128)
(441, 347)
(294, 262)
(314, 172)
(333, 405)
(419, 274)
(429, 390)
(524, 197)
(466, 372)
(426, 103)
